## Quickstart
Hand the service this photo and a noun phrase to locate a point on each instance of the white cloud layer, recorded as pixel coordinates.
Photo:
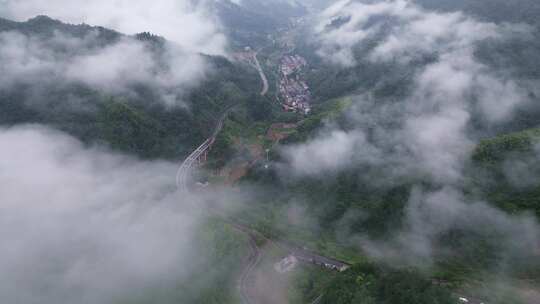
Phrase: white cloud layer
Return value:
(328, 153)
(115, 68)
(426, 132)
(425, 135)
(432, 214)
(404, 31)
(81, 225)
(188, 23)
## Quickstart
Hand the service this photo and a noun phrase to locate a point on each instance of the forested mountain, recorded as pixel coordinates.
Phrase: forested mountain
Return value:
(135, 119)
(249, 22)
(515, 55)
(411, 176)
(493, 10)
(46, 27)
(414, 164)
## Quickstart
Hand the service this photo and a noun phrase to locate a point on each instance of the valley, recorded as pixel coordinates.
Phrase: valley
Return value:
(270, 152)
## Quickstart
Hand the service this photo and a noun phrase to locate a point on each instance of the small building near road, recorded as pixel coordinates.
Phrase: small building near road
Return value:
(286, 264)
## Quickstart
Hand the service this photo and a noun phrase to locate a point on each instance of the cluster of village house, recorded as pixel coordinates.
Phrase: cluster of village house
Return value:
(294, 91)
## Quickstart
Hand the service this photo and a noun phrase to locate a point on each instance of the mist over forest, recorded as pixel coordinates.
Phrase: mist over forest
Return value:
(270, 151)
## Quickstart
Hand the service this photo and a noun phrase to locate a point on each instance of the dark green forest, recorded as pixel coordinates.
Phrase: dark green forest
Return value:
(137, 124)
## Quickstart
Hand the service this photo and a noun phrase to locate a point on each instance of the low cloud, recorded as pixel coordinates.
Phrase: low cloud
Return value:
(332, 151)
(423, 137)
(404, 142)
(431, 215)
(115, 68)
(83, 225)
(522, 170)
(402, 33)
(427, 132)
(188, 23)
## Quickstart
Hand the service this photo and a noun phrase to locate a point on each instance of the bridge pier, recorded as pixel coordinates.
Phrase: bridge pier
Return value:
(202, 158)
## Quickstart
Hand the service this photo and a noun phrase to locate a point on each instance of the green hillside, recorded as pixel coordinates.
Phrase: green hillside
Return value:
(138, 124)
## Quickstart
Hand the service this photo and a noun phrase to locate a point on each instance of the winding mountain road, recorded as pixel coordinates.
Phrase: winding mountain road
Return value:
(253, 261)
(255, 254)
(261, 73)
(182, 183)
(182, 175)
(302, 254)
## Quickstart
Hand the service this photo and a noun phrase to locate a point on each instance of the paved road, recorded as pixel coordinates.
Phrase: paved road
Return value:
(300, 253)
(253, 261)
(261, 72)
(182, 175)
